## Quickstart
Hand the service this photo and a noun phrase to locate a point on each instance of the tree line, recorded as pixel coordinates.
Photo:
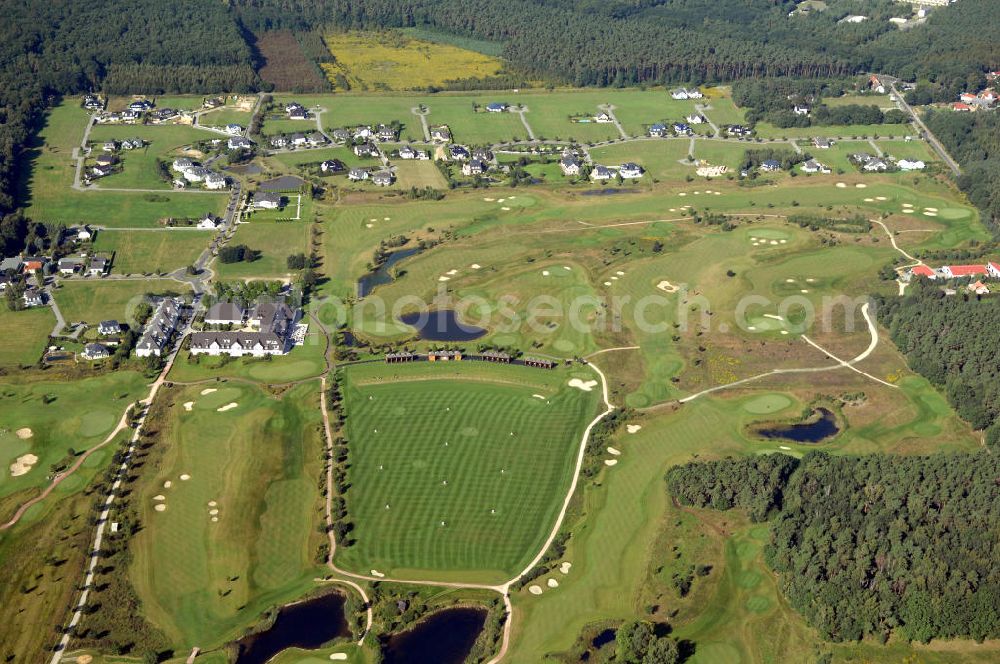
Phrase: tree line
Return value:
(872, 545)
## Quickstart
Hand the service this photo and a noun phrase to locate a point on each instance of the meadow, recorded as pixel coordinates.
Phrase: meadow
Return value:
(276, 240)
(140, 169)
(25, 334)
(767, 130)
(93, 301)
(141, 252)
(238, 532)
(394, 61)
(460, 469)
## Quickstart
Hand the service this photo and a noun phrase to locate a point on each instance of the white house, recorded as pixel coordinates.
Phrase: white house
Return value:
(600, 172)
(630, 170)
(907, 165)
(215, 181)
(695, 118)
(239, 143)
(299, 140)
(569, 165)
(160, 328)
(658, 130)
(108, 328)
(225, 313)
(181, 164)
(357, 174)
(265, 200)
(208, 222)
(800, 109)
(196, 174)
(234, 129)
(95, 352)
(603, 118)
(383, 178)
(813, 166)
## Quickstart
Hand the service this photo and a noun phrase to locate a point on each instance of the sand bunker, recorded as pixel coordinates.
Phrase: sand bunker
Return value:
(586, 386)
(784, 447)
(505, 208)
(682, 194)
(475, 266)
(632, 428)
(614, 451)
(611, 462)
(931, 209)
(881, 198)
(930, 214)
(535, 590)
(804, 290)
(188, 405)
(25, 433)
(607, 283)
(159, 498)
(338, 656)
(167, 484)
(489, 200)
(667, 287)
(774, 317)
(564, 567)
(861, 185)
(368, 225)
(841, 185)
(538, 396)
(185, 477)
(869, 200)
(208, 390)
(213, 512)
(215, 519)
(552, 583)
(160, 507)
(545, 273)
(909, 211)
(620, 273)
(385, 218)
(228, 406)
(451, 272)
(212, 503)
(789, 281)
(443, 278)
(377, 573)
(567, 267)
(22, 464)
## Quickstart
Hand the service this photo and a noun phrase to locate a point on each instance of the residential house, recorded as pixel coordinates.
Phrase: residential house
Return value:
(383, 178)
(4, 282)
(107, 328)
(98, 266)
(164, 114)
(270, 330)
(365, 150)
(316, 139)
(208, 222)
(695, 118)
(133, 143)
(963, 271)
(332, 166)
(813, 166)
(279, 142)
(657, 130)
(875, 84)
(682, 129)
(12, 264)
(234, 129)
(129, 117)
(298, 114)
(225, 313)
(160, 329)
(482, 154)
(266, 200)
(69, 266)
(908, 165)
(105, 160)
(196, 174)
(570, 165)
(440, 134)
(630, 170)
(979, 288)
(599, 172)
(101, 171)
(181, 164)
(738, 131)
(299, 140)
(95, 352)
(993, 270)
(215, 181)
(603, 118)
(92, 103)
(770, 166)
(140, 106)
(458, 152)
(293, 106)
(822, 143)
(239, 143)
(363, 133)
(875, 165)
(407, 152)
(800, 109)
(33, 297)
(474, 167)
(341, 135)
(386, 133)
(496, 107)
(34, 264)
(357, 174)
(214, 102)
(959, 106)
(110, 146)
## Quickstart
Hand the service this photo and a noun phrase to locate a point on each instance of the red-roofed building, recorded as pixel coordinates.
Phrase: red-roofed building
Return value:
(32, 265)
(959, 271)
(959, 106)
(993, 269)
(979, 288)
(923, 271)
(967, 97)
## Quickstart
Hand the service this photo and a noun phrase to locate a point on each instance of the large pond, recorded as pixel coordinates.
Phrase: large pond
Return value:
(445, 637)
(819, 427)
(441, 325)
(383, 273)
(307, 625)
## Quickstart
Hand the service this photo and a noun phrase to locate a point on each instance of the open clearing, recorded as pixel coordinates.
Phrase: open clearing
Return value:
(24, 333)
(92, 300)
(141, 252)
(472, 467)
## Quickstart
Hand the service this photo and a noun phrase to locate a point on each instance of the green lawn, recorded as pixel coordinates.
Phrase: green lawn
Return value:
(303, 362)
(25, 334)
(139, 252)
(472, 466)
(203, 581)
(93, 300)
(276, 240)
(767, 130)
(139, 167)
(223, 116)
(477, 128)
(660, 158)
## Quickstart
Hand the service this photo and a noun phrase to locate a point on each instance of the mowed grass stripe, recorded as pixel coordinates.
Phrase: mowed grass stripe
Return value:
(496, 493)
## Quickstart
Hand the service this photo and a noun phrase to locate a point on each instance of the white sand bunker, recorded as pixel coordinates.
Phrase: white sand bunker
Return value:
(667, 287)
(160, 507)
(611, 462)
(212, 503)
(185, 477)
(489, 200)
(804, 290)
(620, 273)
(607, 283)
(167, 484)
(215, 519)
(443, 278)
(22, 465)
(159, 498)
(774, 317)
(930, 214)
(538, 396)
(614, 451)
(881, 198)
(475, 266)
(377, 573)
(535, 590)
(188, 405)
(931, 209)
(869, 200)
(552, 583)
(208, 390)
(585, 385)
(774, 242)
(369, 225)
(545, 273)
(682, 194)
(908, 211)
(841, 185)
(790, 280)
(213, 512)
(632, 428)
(861, 185)
(338, 656)
(564, 567)
(385, 218)
(24, 433)
(505, 208)
(567, 267)
(784, 447)
(451, 272)
(228, 406)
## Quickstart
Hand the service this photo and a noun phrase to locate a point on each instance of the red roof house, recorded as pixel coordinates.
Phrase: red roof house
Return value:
(923, 271)
(956, 271)
(993, 269)
(959, 106)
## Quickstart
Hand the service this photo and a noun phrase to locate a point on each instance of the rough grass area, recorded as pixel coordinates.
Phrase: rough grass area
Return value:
(92, 301)
(25, 333)
(473, 466)
(285, 66)
(151, 251)
(392, 61)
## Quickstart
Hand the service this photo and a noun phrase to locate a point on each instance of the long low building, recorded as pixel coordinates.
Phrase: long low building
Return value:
(160, 329)
(272, 327)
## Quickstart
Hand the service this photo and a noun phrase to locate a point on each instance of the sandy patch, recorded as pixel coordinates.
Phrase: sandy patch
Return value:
(607, 283)
(774, 317)
(784, 331)
(614, 451)
(682, 194)
(212, 503)
(552, 583)
(717, 193)
(208, 390)
(228, 406)
(24, 433)
(667, 287)
(338, 656)
(804, 290)
(444, 278)
(535, 590)
(188, 405)
(451, 273)
(789, 281)
(614, 278)
(84, 659)
(810, 280)
(881, 198)
(185, 477)
(565, 567)
(368, 225)
(633, 428)
(538, 396)
(784, 447)
(930, 214)
(841, 185)
(475, 266)
(505, 208)
(213, 512)
(611, 462)
(861, 185)
(22, 465)
(751, 328)
(489, 200)
(377, 573)
(215, 519)
(783, 241)
(160, 507)
(545, 273)
(908, 211)
(931, 209)
(869, 200)
(585, 385)
(159, 498)
(167, 484)
(620, 273)
(501, 200)
(567, 267)
(385, 218)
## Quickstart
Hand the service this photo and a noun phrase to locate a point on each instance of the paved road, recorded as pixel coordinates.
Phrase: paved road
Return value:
(931, 138)
(700, 108)
(527, 127)
(60, 321)
(610, 110)
(423, 122)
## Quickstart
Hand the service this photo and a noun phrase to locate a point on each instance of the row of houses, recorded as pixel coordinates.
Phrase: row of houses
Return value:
(298, 140)
(629, 170)
(268, 328)
(686, 93)
(160, 329)
(989, 270)
(123, 144)
(194, 173)
(381, 178)
(869, 163)
(976, 101)
(659, 129)
(94, 266)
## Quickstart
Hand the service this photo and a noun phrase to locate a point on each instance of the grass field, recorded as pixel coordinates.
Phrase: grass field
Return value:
(767, 130)
(25, 334)
(61, 415)
(661, 158)
(276, 240)
(202, 581)
(93, 301)
(139, 167)
(139, 252)
(472, 466)
(304, 362)
(418, 174)
(394, 61)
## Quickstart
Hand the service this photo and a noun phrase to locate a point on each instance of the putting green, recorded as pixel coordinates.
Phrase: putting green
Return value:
(96, 422)
(767, 403)
(953, 213)
(716, 652)
(758, 604)
(764, 324)
(768, 233)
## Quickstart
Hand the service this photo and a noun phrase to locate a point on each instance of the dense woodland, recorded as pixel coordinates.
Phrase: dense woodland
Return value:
(871, 545)
(953, 341)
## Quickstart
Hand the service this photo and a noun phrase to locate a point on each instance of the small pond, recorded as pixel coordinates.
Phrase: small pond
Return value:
(445, 637)
(820, 426)
(441, 325)
(383, 273)
(307, 625)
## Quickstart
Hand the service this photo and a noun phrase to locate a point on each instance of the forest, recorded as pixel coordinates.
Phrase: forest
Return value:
(873, 545)
(952, 340)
